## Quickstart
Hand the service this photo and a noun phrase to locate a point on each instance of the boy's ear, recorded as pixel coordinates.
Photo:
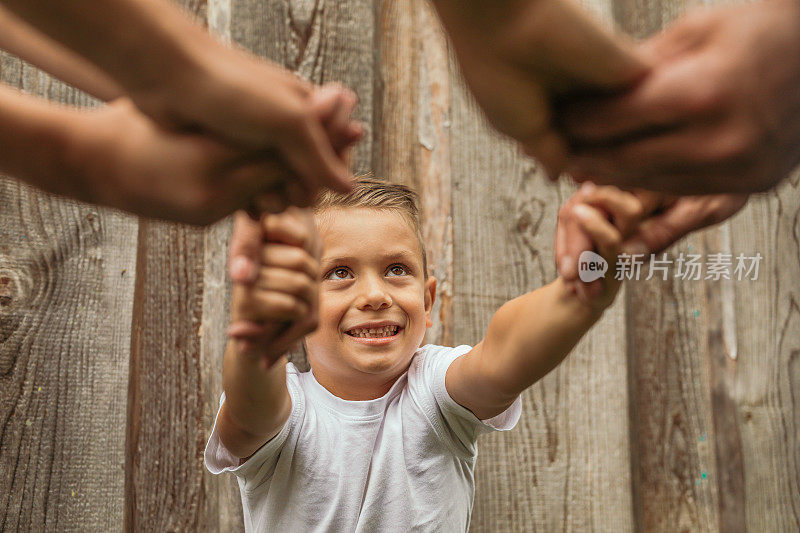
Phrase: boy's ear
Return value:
(430, 297)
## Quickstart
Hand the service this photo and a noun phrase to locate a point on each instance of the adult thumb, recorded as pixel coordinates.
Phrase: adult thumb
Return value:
(661, 231)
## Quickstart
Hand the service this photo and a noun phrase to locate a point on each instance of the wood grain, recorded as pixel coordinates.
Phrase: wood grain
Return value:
(66, 285)
(566, 465)
(763, 382)
(166, 428)
(685, 441)
(415, 136)
(165, 436)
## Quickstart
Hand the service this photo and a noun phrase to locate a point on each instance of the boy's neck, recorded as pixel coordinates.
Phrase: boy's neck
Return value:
(356, 388)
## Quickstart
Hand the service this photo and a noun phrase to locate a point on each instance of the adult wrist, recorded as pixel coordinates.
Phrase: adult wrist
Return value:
(85, 157)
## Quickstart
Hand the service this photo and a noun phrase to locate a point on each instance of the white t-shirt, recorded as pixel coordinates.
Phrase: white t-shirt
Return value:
(402, 462)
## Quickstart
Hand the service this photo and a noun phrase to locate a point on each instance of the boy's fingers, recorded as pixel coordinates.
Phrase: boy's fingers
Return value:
(605, 236)
(290, 257)
(245, 249)
(272, 305)
(624, 207)
(251, 330)
(288, 281)
(570, 242)
(287, 228)
(294, 333)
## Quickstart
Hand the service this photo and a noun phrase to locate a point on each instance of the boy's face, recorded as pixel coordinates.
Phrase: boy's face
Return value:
(375, 303)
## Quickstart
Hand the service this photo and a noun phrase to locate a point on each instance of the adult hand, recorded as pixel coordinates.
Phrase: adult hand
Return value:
(254, 104)
(518, 56)
(185, 80)
(129, 162)
(719, 111)
(334, 109)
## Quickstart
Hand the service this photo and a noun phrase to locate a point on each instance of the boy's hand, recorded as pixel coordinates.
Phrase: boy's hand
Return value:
(269, 315)
(663, 221)
(604, 216)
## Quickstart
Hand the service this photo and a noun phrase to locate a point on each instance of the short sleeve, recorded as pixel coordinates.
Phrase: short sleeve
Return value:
(261, 464)
(460, 424)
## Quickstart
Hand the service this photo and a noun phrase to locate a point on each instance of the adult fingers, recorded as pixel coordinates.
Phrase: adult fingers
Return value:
(334, 104)
(702, 159)
(666, 98)
(245, 249)
(551, 151)
(311, 155)
(685, 215)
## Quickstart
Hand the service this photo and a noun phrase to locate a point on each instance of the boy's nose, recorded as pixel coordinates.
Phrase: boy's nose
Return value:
(374, 295)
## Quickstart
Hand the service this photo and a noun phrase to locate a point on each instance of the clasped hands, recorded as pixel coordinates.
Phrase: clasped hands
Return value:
(705, 112)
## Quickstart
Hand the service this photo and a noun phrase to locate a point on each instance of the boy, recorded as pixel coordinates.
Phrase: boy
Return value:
(381, 434)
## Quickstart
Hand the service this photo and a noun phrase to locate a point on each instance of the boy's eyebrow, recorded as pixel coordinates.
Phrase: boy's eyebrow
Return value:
(336, 259)
(399, 255)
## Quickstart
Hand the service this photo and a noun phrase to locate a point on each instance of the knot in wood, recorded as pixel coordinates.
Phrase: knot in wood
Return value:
(9, 289)
(12, 294)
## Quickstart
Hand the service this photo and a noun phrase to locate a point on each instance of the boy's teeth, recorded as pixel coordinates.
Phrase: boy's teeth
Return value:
(386, 331)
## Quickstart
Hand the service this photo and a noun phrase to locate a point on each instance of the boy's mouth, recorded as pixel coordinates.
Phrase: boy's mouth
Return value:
(374, 333)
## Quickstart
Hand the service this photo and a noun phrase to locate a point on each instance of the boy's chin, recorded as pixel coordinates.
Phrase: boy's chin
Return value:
(378, 363)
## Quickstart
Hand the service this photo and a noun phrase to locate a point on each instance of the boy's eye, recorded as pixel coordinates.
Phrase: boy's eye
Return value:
(397, 270)
(339, 273)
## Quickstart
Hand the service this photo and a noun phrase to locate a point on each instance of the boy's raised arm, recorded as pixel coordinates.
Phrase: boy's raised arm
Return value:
(268, 317)
(257, 402)
(529, 335)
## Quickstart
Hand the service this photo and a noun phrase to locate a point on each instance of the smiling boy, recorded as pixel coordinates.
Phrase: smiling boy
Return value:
(381, 434)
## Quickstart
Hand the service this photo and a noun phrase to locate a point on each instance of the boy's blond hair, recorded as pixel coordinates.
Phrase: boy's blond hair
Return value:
(375, 193)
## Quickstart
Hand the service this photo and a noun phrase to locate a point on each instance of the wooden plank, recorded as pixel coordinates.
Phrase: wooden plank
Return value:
(166, 428)
(671, 418)
(165, 440)
(224, 506)
(415, 135)
(66, 285)
(682, 440)
(761, 371)
(566, 465)
(322, 41)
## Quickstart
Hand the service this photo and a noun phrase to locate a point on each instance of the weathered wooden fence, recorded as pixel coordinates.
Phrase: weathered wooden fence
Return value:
(679, 412)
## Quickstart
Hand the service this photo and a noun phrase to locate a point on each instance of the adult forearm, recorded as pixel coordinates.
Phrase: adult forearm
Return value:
(22, 40)
(564, 47)
(256, 401)
(145, 43)
(36, 144)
